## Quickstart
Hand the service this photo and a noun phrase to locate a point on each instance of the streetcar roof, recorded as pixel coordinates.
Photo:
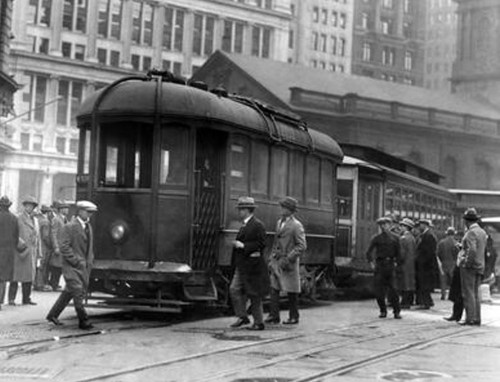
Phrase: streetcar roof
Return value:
(136, 98)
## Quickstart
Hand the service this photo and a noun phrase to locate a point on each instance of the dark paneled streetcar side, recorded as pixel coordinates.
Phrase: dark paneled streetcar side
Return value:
(166, 163)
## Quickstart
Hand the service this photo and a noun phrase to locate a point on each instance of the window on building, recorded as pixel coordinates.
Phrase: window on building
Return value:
(388, 56)
(335, 18)
(61, 145)
(73, 146)
(79, 52)
(135, 61)
(364, 20)
(314, 63)
(324, 16)
(343, 20)
(114, 58)
(333, 42)
(177, 68)
(25, 141)
(315, 41)
(290, 39)
(37, 142)
(38, 12)
(387, 4)
(408, 65)
(315, 14)
(71, 94)
(332, 67)
(386, 25)
(367, 51)
(341, 47)
(261, 41)
(146, 63)
(40, 45)
(407, 6)
(166, 65)
(407, 29)
(340, 68)
(142, 23)
(173, 29)
(232, 37)
(203, 35)
(34, 98)
(322, 43)
(109, 18)
(66, 49)
(322, 65)
(102, 55)
(75, 15)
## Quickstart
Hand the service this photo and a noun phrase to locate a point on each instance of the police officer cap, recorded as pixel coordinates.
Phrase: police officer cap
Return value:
(86, 205)
(384, 219)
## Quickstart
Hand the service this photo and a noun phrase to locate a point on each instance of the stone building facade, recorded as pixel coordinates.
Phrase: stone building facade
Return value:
(388, 40)
(65, 50)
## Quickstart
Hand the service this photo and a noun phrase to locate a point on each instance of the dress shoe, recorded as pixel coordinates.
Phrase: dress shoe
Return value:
(382, 315)
(397, 316)
(240, 322)
(291, 321)
(54, 320)
(467, 323)
(256, 327)
(272, 320)
(12, 303)
(29, 303)
(85, 325)
(451, 318)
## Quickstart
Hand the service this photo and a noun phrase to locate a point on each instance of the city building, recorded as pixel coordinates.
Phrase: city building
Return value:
(440, 44)
(64, 50)
(321, 34)
(388, 40)
(476, 71)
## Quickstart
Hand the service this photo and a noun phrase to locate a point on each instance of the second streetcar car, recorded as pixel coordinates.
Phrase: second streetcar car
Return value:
(166, 163)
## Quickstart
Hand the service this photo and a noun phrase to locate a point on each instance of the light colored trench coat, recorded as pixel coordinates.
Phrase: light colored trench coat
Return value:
(288, 246)
(25, 261)
(408, 248)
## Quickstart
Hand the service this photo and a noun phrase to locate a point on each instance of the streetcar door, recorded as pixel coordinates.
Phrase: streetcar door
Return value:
(208, 197)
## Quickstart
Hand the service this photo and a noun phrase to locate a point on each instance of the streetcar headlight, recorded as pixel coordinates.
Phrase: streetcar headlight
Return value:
(118, 231)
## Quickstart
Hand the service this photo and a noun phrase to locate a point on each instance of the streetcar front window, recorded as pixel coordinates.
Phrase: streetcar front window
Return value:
(174, 156)
(126, 154)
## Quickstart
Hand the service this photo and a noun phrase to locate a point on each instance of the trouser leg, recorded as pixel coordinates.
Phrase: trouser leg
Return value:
(467, 280)
(12, 291)
(26, 289)
(443, 285)
(2, 291)
(81, 313)
(55, 277)
(274, 307)
(393, 294)
(293, 310)
(458, 309)
(60, 304)
(238, 297)
(380, 291)
(257, 311)
(477, 310)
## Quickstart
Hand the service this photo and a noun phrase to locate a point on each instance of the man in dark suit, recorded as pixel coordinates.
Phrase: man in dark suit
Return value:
(77, 259)
(9, 238)
(426, 265)
(251, 278)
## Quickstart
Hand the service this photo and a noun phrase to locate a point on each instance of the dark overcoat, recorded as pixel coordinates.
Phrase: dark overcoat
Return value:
(25, 261)
(77, 255)
(407, 268)
(9, 237)
(56, 229)
(250, 260)
(426, 263)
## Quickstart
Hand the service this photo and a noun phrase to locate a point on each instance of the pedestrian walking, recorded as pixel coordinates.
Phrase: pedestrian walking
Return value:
(408, 248)
(447, 251)
(471, 260)
(9, 238)
(25, 261)
(387, 257)
(284, 264)
(425, 265)
(251, 279)
(45, 249)
(59, 220)
(77, 252)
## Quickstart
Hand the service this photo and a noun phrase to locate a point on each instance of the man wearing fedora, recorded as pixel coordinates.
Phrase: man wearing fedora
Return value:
(9, 238)
(447, 252)
(426, 265)
(387, 258)
(77, 252)
(288, 246)
(25, 261)
(251, 279)
(60, 219)
(471, 262)
(45, 248)
(408, 247)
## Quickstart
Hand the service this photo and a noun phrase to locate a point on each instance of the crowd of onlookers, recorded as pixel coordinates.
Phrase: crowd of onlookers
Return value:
(30, 248)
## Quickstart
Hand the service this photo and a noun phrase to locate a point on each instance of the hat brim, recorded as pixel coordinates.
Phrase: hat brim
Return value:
(240, 206)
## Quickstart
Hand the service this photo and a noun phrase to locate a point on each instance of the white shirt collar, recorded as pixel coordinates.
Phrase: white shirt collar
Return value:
(82, 222)
(245, 221)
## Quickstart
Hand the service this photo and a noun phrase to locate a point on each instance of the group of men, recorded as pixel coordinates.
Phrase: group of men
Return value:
(255, 277)
(408, 258)
(38, 246)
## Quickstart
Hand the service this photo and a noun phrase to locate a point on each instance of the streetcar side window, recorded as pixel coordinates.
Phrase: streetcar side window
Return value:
(239, 163)
(296, 175)
(260, 167)
(312, 179)
(345, 191)
(174, 156)
(327, 176)
(279, 172)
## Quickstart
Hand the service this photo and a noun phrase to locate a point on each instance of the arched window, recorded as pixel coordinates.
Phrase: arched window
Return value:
(450, 172)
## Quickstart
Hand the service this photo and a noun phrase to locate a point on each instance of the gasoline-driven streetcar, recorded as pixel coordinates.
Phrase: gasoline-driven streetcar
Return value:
(166, 163)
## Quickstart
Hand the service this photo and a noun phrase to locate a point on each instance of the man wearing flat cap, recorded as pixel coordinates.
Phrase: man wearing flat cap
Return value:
(77, 252)
(408, 248)
(426, 265)
(387, 258)
(251, 279)
(284, 264)
(25, 261)
(471, 262)
(60, 219)
(9, 237)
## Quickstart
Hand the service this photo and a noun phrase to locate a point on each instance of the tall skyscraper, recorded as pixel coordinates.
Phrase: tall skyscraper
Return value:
(388, 40)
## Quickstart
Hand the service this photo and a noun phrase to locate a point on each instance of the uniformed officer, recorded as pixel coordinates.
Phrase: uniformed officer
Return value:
(387, 257)
(77, 259)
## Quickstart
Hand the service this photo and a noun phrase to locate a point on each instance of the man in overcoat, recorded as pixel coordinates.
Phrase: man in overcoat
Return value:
(408, 247)
(25, 261)
(387, 258)
(59, 220)
(251, 279)
(284, 264)
(9, 238)
(426, 265)
(471, 260)
(447, 251)
(45, 249)
(77, 258)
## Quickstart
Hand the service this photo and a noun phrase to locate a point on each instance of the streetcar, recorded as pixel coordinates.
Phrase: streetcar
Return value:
(166, 161)
(371, 184)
